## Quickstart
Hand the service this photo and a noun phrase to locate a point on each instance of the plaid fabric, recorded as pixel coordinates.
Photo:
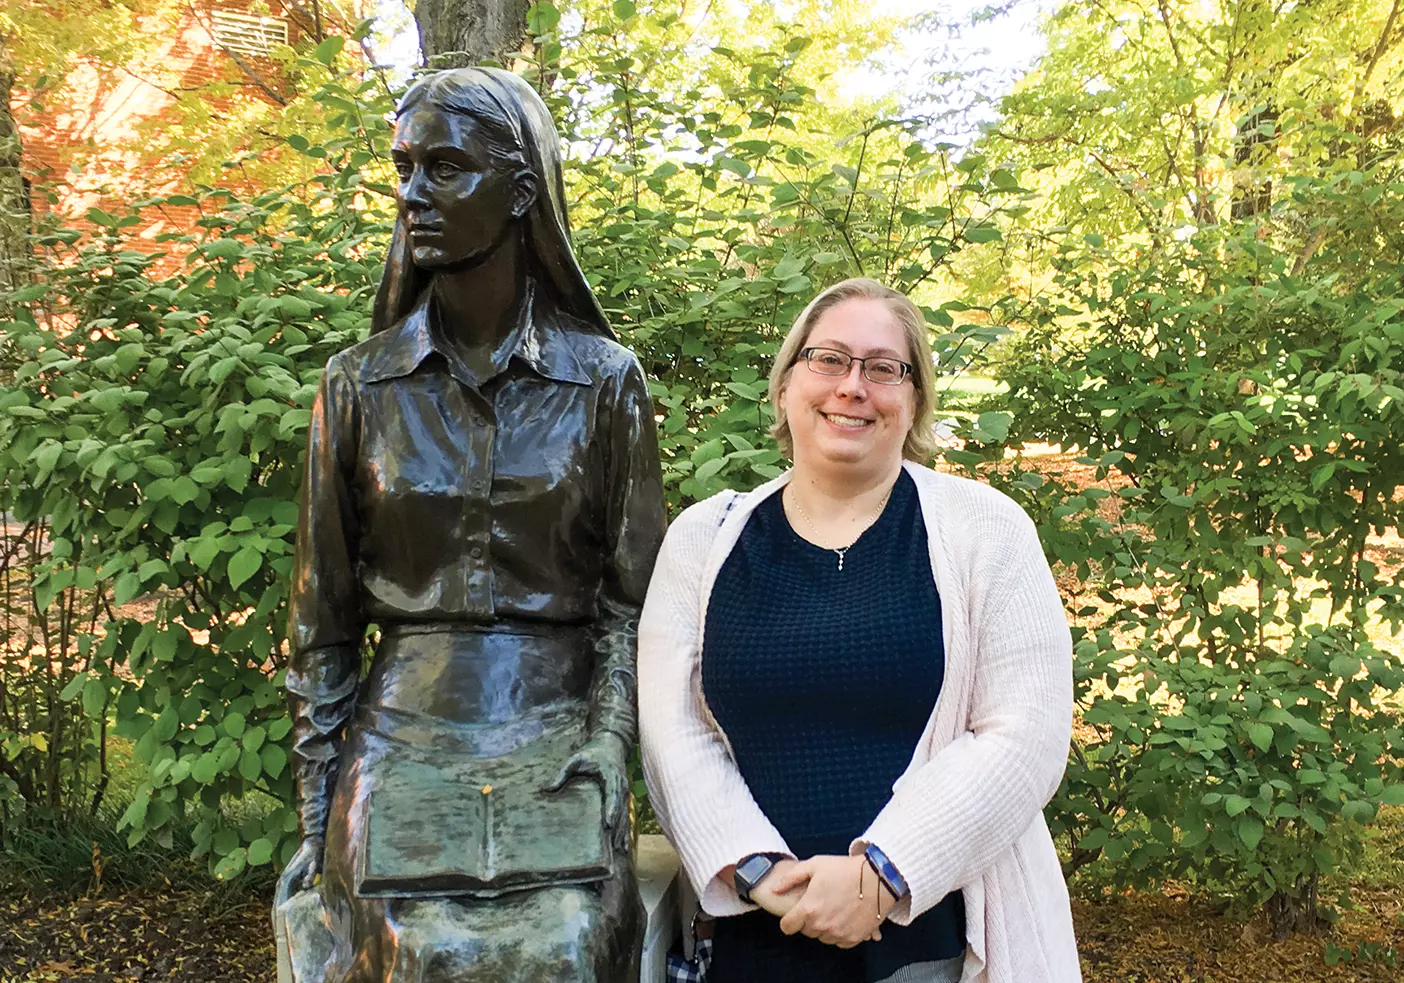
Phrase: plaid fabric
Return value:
(694, 970)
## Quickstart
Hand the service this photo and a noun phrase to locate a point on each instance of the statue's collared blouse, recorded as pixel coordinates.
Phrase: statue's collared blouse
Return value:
(426, 488)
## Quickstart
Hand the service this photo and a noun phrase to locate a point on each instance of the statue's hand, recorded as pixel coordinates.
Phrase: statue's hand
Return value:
(301, 872)
(604, 759)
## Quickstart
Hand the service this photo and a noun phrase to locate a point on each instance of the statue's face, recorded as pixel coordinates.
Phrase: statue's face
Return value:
(457, 199)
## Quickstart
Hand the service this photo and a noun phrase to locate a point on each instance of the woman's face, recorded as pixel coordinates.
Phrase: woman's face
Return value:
(457, 202)
(846, 420)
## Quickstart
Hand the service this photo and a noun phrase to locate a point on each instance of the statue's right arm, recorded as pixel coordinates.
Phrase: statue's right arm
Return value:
(325, 622)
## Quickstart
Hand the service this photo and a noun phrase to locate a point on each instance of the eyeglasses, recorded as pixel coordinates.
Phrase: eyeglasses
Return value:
(876, 368)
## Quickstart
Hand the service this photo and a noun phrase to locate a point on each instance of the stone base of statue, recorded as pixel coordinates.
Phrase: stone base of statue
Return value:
(303, 936)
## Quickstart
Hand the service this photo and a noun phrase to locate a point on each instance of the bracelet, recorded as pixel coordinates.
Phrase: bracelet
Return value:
(886, 871)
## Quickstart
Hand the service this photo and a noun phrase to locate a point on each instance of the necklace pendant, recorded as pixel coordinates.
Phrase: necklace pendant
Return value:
(840, 555)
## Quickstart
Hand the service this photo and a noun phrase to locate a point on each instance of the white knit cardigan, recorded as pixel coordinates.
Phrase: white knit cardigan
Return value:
(967, 812)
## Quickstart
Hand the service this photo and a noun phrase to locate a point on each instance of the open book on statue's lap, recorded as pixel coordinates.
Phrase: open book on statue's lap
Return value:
(431, 832)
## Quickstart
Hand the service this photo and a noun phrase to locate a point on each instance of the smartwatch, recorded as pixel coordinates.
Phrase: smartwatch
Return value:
(751, 871)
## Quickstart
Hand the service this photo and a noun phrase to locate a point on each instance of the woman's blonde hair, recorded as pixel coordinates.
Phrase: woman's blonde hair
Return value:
(920, 444)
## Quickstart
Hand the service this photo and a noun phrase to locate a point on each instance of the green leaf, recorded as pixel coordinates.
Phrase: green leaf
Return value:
(275, 759)
(1345, 666)
(543, 17)
(254, 738)
(166, 644)
(1250, 831)
(243, 565)
(624, 9)
(44, 458)
(205, 768)
(250, 765)
(166, 724)
(237, 471)
(709, 468)
(94, 697)
(233, 724)
(1358, 810)
(707, 451)
(232, 865)
(993, 427)
(1393, 795)
(74, 687)
(127, 356)
(224, 249)
(1235, 804)
(224, 842)
(328, 50)
(1261, 736)
(260, 852)
(127, 587)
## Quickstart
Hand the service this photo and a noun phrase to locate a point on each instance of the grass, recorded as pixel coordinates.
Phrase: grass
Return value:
(1382, 867)
(73, 853)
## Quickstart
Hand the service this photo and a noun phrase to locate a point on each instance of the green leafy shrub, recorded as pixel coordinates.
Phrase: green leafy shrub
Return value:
(1243, 407)
(154, 428)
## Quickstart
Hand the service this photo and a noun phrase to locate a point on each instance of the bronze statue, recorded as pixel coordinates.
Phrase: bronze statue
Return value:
(483, 485)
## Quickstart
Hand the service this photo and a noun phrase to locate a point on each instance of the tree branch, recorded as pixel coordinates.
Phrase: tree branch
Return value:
(1380, 47)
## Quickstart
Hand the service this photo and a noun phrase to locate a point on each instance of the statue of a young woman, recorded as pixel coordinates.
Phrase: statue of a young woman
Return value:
(482, 484)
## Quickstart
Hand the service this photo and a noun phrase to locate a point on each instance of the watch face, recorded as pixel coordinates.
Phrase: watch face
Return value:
(751, 871)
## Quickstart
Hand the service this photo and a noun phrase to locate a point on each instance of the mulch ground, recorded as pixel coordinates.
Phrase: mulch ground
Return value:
(203, 935)
(1148, 938)
(224, 936)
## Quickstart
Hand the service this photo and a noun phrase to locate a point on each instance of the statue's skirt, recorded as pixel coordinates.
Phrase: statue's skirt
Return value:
(438, 887)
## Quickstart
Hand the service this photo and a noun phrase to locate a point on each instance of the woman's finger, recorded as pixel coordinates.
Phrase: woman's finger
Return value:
(786, 877)
(794, 920)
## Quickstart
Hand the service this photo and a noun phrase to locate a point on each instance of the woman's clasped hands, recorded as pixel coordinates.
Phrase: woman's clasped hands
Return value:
(837, 900)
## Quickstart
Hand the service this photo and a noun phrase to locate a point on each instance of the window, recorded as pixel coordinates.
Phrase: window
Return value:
(248, 34)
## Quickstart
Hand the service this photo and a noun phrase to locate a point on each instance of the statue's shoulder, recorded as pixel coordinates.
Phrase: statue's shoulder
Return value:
(602, 358)
(387, 354)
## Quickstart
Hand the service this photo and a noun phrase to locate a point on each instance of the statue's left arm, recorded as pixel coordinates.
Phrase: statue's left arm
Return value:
(635, 519)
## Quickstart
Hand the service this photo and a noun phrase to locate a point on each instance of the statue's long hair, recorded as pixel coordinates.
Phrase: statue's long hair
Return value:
(524, 135)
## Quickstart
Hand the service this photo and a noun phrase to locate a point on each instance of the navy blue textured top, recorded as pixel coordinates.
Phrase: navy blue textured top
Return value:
(823, 681)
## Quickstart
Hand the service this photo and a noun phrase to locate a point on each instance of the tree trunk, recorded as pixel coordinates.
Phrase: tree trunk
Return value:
(14, 189)
(456, 33)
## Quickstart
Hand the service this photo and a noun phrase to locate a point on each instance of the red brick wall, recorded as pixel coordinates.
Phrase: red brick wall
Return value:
(101, 117)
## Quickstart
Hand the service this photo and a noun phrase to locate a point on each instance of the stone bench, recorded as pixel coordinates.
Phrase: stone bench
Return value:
(666, 899)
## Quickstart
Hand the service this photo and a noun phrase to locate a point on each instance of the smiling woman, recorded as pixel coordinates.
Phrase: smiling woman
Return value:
(855, 689)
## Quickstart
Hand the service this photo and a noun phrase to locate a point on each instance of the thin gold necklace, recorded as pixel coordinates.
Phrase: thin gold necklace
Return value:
(866, 526)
